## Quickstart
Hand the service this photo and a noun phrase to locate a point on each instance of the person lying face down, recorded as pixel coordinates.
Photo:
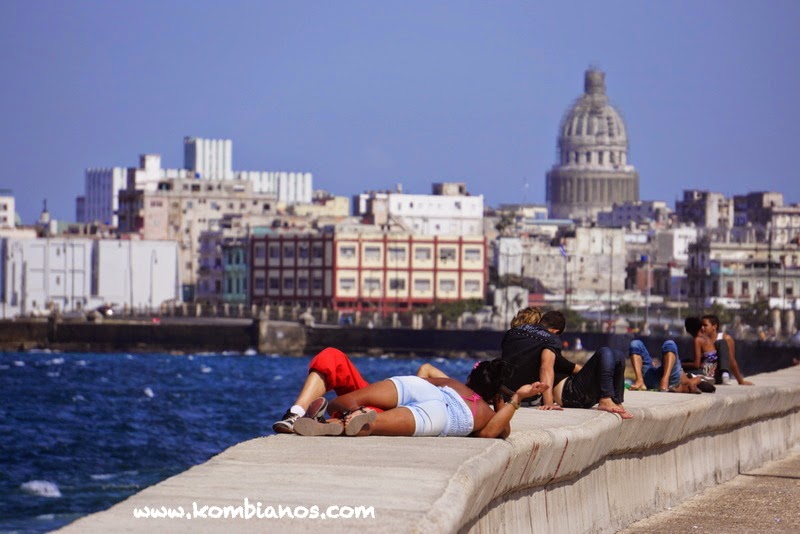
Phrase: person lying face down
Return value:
(435, 406)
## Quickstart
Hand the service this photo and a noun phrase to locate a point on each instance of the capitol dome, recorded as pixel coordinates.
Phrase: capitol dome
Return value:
(592, 172)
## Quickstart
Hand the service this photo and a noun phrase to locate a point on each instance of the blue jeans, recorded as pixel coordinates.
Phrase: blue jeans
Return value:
(652, 374)
(602, 376)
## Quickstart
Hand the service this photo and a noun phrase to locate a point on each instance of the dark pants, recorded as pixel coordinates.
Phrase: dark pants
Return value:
(602, 376)
(723, 359)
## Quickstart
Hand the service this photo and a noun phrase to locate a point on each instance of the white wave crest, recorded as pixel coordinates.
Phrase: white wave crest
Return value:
(41, 488)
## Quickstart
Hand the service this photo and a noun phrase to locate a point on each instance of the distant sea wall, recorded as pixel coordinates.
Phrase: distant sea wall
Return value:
(291, 338)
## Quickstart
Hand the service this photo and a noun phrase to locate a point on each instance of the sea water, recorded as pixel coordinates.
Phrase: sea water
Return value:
(81, 431)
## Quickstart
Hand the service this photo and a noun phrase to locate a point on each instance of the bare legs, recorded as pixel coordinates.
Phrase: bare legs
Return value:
(638, 384)
(313, 387)
(394, 421)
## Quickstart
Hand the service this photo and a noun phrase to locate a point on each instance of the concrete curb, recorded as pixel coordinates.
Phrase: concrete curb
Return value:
(570, 471)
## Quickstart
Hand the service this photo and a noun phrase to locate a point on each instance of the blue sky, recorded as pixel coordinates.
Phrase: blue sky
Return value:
(367, 95)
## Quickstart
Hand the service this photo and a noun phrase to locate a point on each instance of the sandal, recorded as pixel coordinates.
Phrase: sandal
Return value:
(307, 426)
(356, 423)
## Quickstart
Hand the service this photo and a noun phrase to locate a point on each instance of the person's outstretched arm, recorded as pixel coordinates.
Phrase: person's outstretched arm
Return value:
(732, 361)
(547, 375)
(499, 426)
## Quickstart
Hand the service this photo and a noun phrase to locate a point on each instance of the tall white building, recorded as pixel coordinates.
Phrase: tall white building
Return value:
(449, 211)
(74, 274)
(7, 210)
(204, 159)
(208, 158)
(288, 187)
(101, 194)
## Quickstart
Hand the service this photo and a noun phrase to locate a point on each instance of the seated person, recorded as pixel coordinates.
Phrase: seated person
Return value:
(705, 358)
(534, 350)
(726, 351)
(668, 377)
(330, 370)
(415, 406)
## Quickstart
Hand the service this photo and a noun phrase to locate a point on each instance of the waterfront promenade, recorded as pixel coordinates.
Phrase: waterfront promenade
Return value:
(570, 471)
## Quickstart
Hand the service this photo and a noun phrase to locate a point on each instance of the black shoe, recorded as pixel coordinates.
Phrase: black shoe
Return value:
(706, 387)
(286, 424)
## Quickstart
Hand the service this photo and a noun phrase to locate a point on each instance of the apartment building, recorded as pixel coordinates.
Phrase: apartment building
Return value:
(360, 267)
(450, 210)
(182, 209)
(742, 273)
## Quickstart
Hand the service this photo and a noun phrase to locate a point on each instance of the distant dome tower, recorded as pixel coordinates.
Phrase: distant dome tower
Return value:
(593, 172)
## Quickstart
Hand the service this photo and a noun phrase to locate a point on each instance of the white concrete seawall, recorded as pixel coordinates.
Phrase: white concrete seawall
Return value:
(570, 471)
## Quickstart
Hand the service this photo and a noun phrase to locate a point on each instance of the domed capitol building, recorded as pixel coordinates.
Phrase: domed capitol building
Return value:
(593, 172)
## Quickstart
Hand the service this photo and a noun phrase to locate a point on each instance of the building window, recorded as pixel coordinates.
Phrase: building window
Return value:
(745, 289)
(288, 252)
(729, 289)
(397, 284)
(347, 252)
(302, 283)
(302, 252)
(472, 286)
(447, 253)
(472, 254)
(774, 290)
(316, 251)
(422, 253)
(274, 282)
(259, 251)
(316, 283)
(347, 284)
(422, 284)
(372, 253)
(397, 254)
(258, 283)
(288, 284)
(447, 286)
(372, 284)
(789, 290)
(274, 252)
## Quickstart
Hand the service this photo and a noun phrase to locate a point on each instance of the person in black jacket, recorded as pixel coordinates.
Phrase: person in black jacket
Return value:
(534, 350)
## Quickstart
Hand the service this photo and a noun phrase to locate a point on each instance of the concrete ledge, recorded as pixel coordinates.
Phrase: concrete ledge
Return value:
(570, 471)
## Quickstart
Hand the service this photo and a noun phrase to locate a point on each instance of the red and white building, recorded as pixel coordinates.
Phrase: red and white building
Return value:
(358, 269)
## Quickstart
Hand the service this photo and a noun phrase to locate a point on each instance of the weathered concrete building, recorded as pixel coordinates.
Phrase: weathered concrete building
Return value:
(742, 273)
(181, 209)
(364, 268)
(592, 172)
(38, 275)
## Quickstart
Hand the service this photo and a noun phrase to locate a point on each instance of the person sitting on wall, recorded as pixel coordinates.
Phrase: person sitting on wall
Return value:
(534, 350)
(726, 351)
(704, 363)
(668, 377)
(415, 406)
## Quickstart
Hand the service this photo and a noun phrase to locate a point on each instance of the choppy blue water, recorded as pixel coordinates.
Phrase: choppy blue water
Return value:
(80, 432)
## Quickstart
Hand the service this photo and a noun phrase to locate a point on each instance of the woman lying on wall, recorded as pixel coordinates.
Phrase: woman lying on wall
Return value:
(430, 406)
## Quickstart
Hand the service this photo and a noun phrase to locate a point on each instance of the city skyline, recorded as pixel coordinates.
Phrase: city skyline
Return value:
(372, 95)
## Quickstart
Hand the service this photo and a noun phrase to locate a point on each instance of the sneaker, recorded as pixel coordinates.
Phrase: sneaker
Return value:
(726, 378)
(286, 424)
(316, 410)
